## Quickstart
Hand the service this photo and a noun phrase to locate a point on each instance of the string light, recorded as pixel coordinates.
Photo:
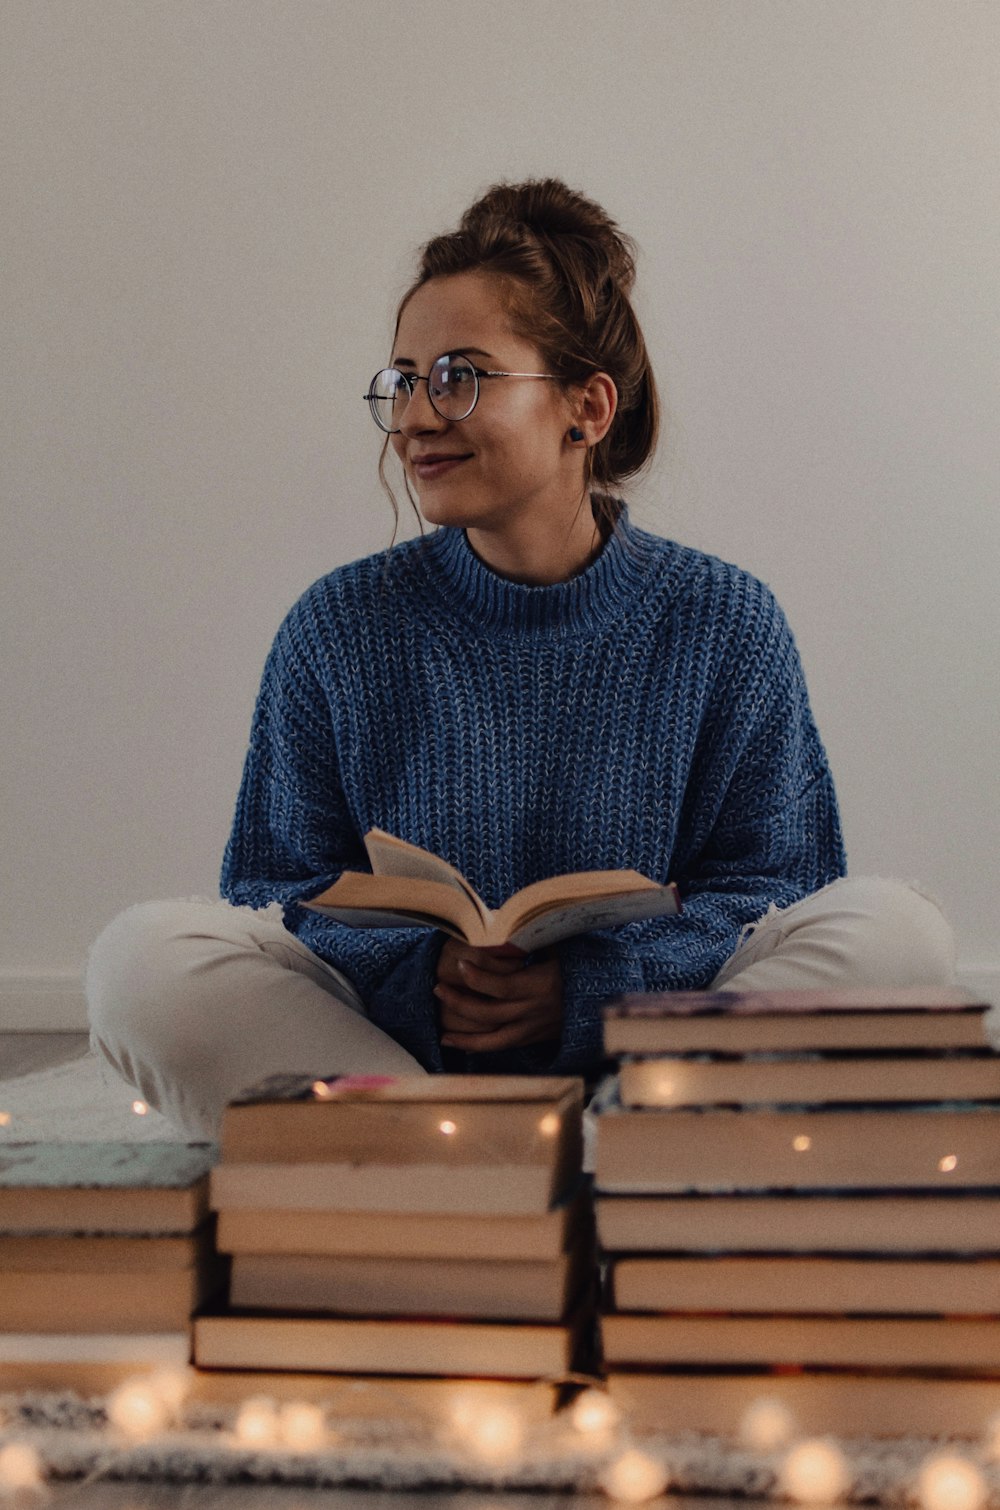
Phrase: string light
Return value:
(634, 1477)
(949, 1482)
(140, 1108)
(4, 1119)
(766, 1425)
(138, 1410)
(20, 1468)
(257, 1423)
(948, 1163)
(302, 1426)
(816, 1473)
(448, 1127)
(494, 1433)
(549, 1125)
(594, 1413)
(802, 1143)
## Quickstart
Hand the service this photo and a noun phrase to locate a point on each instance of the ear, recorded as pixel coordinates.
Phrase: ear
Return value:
(595, 404)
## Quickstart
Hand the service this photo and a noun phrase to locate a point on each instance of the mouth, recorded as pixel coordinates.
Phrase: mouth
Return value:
(432, 466)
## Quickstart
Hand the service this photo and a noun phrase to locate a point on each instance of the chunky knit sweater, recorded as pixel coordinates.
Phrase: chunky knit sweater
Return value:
(649, 713)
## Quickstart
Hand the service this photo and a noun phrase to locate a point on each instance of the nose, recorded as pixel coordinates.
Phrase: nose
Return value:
(420, 414)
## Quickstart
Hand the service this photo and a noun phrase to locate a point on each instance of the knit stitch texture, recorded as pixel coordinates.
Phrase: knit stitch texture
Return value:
(649, 713)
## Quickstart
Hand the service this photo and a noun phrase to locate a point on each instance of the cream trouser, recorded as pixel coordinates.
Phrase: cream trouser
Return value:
(192, 1001)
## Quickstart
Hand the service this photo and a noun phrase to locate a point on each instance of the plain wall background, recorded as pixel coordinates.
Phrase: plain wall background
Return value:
(210, 209)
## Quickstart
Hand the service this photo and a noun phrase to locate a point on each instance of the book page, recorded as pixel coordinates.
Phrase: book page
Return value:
(390, 856)
(532, 920)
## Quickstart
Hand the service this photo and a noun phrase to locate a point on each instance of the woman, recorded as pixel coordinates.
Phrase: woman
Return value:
(536, 687)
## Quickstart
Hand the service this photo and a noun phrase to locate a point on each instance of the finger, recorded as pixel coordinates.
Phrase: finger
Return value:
(490, 959)
(477, 1013)
(504, 986)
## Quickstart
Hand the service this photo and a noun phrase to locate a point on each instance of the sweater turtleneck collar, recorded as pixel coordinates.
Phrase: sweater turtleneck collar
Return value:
(603, 591)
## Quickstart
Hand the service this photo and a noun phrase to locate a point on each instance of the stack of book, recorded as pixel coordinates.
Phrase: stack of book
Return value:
(424, 1226)
(105, 1253)
(798, 1201)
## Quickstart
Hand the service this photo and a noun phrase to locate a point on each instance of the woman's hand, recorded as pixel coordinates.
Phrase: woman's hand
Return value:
(491, 999)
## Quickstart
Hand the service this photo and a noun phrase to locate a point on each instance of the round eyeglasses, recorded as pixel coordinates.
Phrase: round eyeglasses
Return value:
(452, 387)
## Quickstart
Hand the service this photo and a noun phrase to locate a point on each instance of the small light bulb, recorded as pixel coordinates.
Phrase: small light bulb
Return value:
(634, 1477)
(140, 1108)
(257, 1423)
(802, 1143)
(665, 1089)
(816, 1473)
(594, 1411)
(766, 1425)
(171, 1385)
(495, 1433)
(948, 1163)
(949, 1482)
(448, 1127)
(137, 1410)
(302, 1426)
(4, 1119)
(20, 1468)
(549, 1125)
(322, 1090)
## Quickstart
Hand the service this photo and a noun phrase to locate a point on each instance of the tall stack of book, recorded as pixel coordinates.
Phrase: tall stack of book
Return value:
(421, 1227)
(105, 1253)
(798, 1201)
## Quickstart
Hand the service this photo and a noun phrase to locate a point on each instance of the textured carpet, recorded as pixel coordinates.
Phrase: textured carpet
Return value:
(73, 1103)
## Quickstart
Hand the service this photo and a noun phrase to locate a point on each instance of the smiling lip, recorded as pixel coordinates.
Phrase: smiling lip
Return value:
(435, 464)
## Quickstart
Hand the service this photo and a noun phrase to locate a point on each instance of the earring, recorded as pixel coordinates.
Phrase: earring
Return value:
(576, 433)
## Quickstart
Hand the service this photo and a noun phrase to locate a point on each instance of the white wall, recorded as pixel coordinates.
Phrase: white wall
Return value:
(210, 210)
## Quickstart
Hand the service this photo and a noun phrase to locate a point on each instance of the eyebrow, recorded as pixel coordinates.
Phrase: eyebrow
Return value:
(458, 350)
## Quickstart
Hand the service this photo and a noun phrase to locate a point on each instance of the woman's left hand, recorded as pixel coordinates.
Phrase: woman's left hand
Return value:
(491, 999)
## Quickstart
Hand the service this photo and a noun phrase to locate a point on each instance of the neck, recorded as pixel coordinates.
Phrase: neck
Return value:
(539, 554)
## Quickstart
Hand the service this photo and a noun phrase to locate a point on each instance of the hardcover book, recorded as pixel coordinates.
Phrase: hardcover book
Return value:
(155, 1188)
(752, 1021)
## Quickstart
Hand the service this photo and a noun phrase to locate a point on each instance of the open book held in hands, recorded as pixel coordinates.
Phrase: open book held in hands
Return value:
(409, 886)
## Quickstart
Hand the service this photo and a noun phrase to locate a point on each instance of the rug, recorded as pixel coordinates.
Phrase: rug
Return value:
(72, 1103)
(69, 1438)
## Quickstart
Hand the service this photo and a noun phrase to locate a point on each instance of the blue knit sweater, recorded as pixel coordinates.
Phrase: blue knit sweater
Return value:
(649, 713)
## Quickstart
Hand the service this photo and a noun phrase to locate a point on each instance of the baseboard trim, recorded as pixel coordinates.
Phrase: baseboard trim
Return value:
(56, 1004)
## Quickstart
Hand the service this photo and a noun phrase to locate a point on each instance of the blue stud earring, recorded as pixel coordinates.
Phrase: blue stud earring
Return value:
(576, 433)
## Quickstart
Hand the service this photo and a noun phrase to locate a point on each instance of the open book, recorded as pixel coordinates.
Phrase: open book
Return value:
(409, 886)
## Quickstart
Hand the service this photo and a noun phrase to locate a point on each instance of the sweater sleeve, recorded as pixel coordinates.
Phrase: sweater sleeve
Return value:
(293, 834)
(760, 829)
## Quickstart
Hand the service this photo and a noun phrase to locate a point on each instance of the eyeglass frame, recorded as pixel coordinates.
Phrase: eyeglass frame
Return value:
(410, 378)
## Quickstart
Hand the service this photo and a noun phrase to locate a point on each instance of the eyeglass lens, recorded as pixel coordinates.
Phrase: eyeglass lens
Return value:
(452, 386)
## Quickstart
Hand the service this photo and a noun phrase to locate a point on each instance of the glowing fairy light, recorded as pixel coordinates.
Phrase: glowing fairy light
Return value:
(171, 1385)
(948, 1163)
(634, 1477)
(802, 1143)
(4, 1119)
(493, 1433)
(322, 1090)
(665, 1090)
(949, 1482)
(448, 1127)
(816, 1473)
(594, 1413)
(140, 1108)
(138, 1410)
(549, 1125)
(20, 1468)
(257, 1423)
(766, 1425)
(302, 1426)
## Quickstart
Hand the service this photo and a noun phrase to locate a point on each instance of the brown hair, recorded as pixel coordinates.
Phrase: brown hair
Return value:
(565, 272)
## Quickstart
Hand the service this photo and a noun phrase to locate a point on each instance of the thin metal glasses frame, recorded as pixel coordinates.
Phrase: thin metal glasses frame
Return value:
(411, 378)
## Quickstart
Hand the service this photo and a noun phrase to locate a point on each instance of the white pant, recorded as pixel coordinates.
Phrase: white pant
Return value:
(192, 1001)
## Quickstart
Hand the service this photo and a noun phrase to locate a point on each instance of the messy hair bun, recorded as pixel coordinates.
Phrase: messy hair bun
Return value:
(566, 271)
